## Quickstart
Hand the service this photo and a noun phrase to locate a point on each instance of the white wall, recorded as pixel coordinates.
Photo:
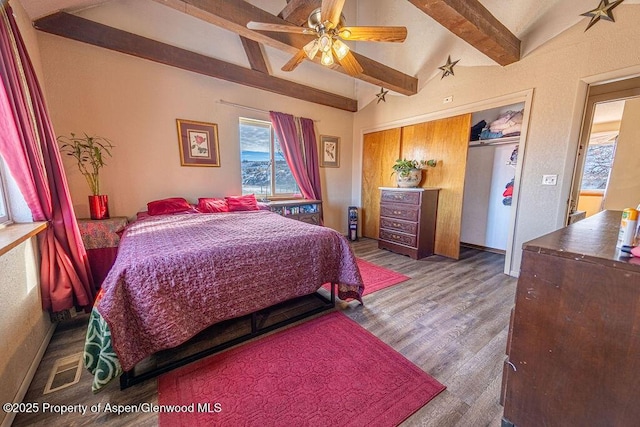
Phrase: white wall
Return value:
(135, 103)
(557, 72)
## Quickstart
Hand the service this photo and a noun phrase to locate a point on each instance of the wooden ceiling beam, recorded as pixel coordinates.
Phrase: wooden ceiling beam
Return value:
(233, 15)
(254, 55)
(86, 31)
(473, 23)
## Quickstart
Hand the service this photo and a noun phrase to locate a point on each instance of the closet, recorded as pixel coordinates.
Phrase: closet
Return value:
(472, 175)
(490, 177)
(445, 140)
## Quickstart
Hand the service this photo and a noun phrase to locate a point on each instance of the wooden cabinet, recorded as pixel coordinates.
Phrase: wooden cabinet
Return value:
(574, 340)
(408, 220)
(309, 211)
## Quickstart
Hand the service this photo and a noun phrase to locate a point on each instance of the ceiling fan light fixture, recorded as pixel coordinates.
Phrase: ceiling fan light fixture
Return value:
(345, 33)
(311, 49)
(340, 49)
(325, 43)
(327, 59)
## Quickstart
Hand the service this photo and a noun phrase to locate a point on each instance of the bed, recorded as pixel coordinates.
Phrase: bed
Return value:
(176, 275)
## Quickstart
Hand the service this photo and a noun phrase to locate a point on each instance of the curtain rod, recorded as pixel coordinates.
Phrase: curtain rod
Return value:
(258, 110)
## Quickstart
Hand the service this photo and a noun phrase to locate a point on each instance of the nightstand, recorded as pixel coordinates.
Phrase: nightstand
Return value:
(101, 239)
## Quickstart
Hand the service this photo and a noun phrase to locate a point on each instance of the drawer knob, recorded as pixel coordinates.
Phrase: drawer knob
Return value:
(395, 224)
(397, 212)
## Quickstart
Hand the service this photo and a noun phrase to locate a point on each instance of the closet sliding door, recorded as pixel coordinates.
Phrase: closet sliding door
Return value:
(446, 140)
(380, 151)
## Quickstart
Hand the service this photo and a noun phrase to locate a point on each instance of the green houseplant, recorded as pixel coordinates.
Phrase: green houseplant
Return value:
(409, 172)
(89, 153)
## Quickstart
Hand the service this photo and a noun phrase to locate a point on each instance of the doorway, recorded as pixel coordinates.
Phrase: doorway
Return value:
(607, 170)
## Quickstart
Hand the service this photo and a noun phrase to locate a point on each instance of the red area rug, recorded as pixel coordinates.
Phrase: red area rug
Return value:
(328, 371)
(376, 277)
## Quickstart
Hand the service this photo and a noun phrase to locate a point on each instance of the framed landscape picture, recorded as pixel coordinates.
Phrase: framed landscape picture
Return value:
(198, 143)
(329, 151)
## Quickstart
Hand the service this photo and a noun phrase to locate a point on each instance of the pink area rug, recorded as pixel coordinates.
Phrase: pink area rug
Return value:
(376, 277)
(328, 371)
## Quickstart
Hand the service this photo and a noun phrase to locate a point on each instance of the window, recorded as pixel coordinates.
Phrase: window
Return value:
(598, 161)
(265, 172)
(4, 202)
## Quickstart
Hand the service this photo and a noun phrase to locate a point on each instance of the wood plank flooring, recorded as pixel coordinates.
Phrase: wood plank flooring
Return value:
(451, 319)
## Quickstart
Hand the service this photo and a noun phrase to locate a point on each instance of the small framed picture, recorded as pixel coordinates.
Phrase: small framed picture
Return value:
(198, 143)
(329, 151)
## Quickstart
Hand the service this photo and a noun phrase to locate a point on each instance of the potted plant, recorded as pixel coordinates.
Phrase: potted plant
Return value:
(409, 172)
(89, 153)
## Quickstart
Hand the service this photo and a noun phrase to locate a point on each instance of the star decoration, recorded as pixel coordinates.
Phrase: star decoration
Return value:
(604, 11)
(447, 69)
(381, 95)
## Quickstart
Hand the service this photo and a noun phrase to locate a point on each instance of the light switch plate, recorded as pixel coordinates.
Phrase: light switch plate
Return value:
(549, 179)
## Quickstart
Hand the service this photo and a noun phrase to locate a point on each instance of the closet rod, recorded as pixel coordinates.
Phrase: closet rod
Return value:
(488, 144)
(258, 110)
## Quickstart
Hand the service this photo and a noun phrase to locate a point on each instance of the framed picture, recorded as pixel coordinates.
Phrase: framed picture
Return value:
(198, 143)
(329, 151)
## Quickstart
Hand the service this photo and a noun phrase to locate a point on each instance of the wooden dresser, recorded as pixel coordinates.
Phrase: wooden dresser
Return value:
(574, 339)
(408, 220)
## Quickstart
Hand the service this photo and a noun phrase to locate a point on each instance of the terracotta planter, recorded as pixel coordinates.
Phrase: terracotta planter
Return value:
(99, 206)
(410, 180)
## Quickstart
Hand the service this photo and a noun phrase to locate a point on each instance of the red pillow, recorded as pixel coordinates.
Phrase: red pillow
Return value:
(242, 203)
(211, 205)
(168, 206)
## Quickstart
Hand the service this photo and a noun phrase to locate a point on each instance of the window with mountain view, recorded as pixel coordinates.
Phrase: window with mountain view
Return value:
(265, 172)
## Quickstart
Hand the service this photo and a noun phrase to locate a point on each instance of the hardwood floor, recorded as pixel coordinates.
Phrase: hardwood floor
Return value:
(451, 319)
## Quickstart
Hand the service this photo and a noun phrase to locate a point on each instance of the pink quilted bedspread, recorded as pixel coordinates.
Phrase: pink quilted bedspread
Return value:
(175, 275)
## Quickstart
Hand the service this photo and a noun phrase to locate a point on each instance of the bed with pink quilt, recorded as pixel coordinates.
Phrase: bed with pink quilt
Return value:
(175, 275)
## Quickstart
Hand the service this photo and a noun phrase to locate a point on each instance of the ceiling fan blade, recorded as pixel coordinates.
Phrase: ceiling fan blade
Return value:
(295, 61)
(280, 28)
(351, 65)
(374, 34)
(331, 11)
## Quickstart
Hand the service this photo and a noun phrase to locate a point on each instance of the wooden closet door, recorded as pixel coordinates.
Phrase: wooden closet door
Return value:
(447, 141)
(380, 150)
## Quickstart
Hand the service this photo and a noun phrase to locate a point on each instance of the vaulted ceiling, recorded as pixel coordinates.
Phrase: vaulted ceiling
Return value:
(210, 37)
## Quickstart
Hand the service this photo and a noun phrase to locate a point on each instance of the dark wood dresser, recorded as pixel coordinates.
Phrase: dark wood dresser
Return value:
(574, 339)
(408, 220)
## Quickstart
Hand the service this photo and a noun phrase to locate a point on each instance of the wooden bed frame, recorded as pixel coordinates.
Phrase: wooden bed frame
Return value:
(258, 318)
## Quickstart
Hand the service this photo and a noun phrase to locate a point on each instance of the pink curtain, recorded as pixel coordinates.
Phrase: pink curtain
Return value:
(28, 146)
(311, 155)
(303, 164)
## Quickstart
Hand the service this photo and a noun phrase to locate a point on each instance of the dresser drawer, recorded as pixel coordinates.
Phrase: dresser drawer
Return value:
(409, 213)
(403, 239)
(399, 225)
(408, 197)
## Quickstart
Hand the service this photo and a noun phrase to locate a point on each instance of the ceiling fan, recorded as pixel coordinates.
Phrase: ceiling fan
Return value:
(327, 25)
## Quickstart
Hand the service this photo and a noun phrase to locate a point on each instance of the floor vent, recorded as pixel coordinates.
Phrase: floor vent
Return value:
(65, 372)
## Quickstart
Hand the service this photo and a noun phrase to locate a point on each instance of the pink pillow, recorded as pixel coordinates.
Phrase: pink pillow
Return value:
(168, 206)
(242, 203)
(212, 205)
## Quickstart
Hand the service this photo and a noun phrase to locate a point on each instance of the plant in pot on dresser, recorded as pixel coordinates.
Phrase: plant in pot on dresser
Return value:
(89, 153)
